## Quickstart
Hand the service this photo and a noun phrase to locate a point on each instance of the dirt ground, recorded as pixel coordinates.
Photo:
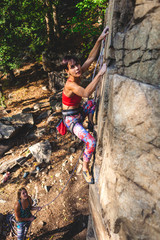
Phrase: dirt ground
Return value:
(65, 212)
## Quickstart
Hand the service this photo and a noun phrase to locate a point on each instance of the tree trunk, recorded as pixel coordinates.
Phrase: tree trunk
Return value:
(56, 25)
(49, 22)
(10, 73)
(2, 103)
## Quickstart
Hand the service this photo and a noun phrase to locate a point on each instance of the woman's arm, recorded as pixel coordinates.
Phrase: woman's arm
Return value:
(86, 92)
(36, 208)
(33, 207)
(94, 52)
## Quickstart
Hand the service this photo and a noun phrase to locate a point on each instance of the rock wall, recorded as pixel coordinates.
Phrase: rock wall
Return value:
(125, 200)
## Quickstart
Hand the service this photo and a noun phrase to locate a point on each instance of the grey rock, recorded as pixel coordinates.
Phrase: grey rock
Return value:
(40, 132)
(44, 88)
(25, 110)
(10, 126)
(72, 150)
(6, 131)
(22, 118)
(41, 151)
(47, 188)
(41, 224)
(44, 115)
(37, 107)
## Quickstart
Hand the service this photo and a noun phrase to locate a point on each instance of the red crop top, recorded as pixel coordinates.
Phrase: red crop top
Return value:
(71, 101)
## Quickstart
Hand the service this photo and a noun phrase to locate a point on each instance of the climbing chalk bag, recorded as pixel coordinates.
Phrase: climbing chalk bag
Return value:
(61, 127)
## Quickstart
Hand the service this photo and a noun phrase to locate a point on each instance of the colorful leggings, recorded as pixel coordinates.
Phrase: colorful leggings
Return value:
(87, 108)
(22, 229)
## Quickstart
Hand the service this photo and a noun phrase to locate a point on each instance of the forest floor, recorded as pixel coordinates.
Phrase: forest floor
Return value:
(66, 217)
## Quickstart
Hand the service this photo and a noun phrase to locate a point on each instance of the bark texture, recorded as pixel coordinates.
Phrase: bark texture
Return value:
(124, 201)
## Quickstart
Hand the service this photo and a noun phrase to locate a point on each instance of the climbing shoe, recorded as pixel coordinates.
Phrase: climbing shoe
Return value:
(88, 177)
(90, 126)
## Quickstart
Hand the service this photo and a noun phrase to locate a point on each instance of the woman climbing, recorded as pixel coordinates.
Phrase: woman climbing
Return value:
(23, 213)
(73, 113)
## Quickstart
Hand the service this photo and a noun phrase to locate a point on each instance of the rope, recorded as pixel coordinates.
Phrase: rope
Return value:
(13, 225)
(64, 185)
(12, 220)
(100, 62)
(100, 58)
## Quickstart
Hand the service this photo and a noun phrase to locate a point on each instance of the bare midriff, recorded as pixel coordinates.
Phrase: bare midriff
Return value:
(65, 107)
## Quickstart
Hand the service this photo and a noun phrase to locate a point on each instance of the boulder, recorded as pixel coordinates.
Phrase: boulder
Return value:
(6, 131)
(41, 151)
(11, 125)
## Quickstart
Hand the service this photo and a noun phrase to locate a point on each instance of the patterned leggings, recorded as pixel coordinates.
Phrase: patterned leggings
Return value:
(88, 107)
(22, 229)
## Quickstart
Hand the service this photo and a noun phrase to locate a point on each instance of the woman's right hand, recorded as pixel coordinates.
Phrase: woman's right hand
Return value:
(102, 70)
(31, 218)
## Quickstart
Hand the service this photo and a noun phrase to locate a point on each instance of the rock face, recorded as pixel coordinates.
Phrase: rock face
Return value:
(135, 40)
(124, 202)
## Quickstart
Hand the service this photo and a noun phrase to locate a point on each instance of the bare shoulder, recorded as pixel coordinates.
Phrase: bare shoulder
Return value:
(17, 206)
(71, 85)
(66, 88)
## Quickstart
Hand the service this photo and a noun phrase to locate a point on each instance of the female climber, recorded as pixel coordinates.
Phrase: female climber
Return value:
(23, 213)
(73, 113)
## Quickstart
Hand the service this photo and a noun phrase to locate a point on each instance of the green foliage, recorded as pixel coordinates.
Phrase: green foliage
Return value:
(2, 101)
(23, 26)
(22, 29)
(88, 21)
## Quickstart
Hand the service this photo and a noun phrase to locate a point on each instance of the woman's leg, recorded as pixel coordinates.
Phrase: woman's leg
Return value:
(20, 231)
(90, 142)
(88, 109)
(27, 225)
(86, 137)
(82, 134)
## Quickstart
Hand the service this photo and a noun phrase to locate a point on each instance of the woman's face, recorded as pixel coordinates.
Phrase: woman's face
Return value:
(24, 194)
(74, 69)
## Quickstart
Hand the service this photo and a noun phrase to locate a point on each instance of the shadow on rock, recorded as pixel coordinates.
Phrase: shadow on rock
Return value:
(69, 231)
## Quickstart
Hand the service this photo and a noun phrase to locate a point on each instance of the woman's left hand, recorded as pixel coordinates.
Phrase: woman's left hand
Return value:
(104, 33)
(39, 208)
